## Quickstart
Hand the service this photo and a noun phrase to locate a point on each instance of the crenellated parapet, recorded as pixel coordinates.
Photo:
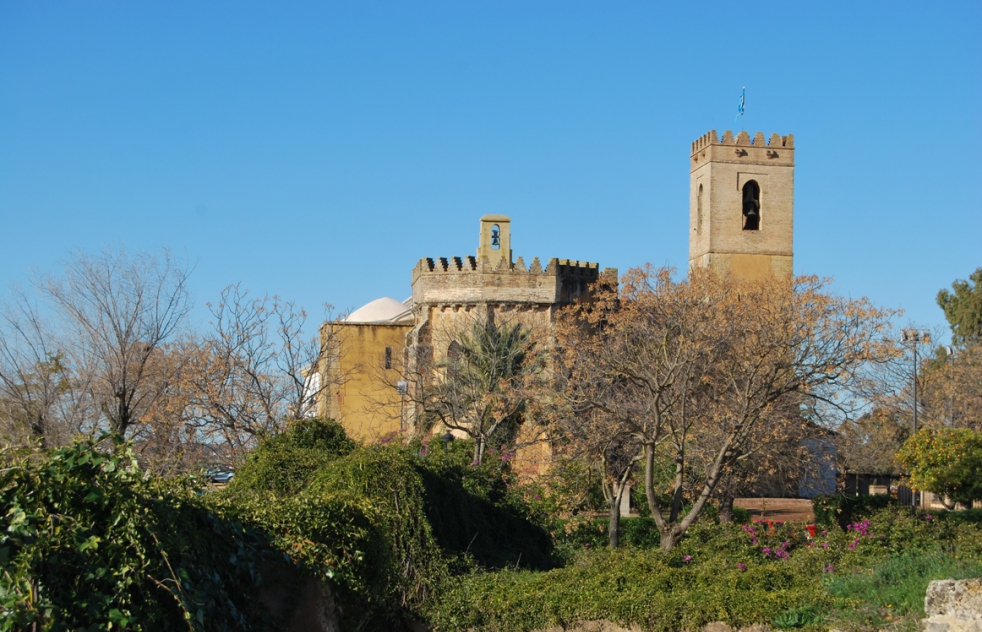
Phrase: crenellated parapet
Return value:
(777, 149)
(477, 280)
(454, 265)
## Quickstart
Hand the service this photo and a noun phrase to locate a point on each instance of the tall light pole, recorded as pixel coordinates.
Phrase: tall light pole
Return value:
(950, 351)
(913, 337)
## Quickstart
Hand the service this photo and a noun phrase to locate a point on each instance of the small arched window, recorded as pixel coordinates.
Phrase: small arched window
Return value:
(388, 357)
(699, 211)
(454, 352)
(751, 205)
(495, 237)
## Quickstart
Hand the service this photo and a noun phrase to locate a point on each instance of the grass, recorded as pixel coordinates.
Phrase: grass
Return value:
(891, 593)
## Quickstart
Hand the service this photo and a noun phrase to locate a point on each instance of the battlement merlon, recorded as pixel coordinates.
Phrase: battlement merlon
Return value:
(741, 148)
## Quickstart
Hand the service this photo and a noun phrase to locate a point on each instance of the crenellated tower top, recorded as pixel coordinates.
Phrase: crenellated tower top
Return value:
(777, 150)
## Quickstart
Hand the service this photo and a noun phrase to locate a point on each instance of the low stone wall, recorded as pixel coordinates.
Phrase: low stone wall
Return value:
(953, 605)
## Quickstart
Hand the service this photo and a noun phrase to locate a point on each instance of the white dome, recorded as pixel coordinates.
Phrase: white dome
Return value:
(381, 310)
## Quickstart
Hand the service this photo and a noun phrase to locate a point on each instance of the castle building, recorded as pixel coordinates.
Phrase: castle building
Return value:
(370, 353)
(741, 221)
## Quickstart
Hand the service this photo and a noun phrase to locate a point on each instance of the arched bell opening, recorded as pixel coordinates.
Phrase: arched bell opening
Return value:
(699, 211)
(751, 205)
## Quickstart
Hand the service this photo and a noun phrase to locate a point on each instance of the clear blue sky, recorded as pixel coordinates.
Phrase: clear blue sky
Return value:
(318, 150)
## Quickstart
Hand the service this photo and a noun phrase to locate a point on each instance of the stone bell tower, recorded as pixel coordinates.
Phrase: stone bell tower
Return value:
(741, 204)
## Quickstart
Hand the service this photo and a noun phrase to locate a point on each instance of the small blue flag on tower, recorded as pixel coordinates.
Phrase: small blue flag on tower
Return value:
(743, 100)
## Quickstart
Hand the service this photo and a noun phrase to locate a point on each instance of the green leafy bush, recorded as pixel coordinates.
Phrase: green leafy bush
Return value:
(87, 543)
(841, 510)
(478, 512)
(797, 618)
(387, 524)
(946, 461)
(284, 464)
(646, 588)
(776, 574)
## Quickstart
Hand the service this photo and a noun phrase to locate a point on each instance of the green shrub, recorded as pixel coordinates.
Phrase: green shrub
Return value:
(841, 510)
(332, 536)
(388, 481)
(646, 588)
(741, 515)
(385, 524)
(478, 512)
(284, 464)
(797, 618)
(87, 543)
(946, 461)
(358, 523)
(857, 578)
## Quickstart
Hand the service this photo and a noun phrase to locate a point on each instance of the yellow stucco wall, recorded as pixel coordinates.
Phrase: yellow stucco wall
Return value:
(361, 392)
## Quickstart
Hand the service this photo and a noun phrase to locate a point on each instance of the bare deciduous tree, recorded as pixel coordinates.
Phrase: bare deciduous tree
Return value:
(250, 377)
(114, 312)
(34, 380)
(710, 371)
(951, 387)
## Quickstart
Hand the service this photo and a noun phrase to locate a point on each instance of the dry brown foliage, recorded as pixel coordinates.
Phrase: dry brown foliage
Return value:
(708, 372)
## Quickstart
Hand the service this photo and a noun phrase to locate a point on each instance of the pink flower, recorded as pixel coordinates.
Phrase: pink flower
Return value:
(742, 566)
(829, 569)
(929, 517)
(686, 558)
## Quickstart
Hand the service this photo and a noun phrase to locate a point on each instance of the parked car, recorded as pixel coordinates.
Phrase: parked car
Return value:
(219, 475)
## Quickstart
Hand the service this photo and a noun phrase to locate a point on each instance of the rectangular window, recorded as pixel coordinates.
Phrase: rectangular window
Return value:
(388, 357)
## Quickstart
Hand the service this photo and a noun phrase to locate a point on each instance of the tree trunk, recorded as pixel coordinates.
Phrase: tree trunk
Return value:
(649, 477)
(726, 508)
(614, 526)
(38, 433)
(669, 538)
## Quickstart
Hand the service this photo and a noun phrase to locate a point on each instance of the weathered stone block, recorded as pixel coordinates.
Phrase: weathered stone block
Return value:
(953, 606)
